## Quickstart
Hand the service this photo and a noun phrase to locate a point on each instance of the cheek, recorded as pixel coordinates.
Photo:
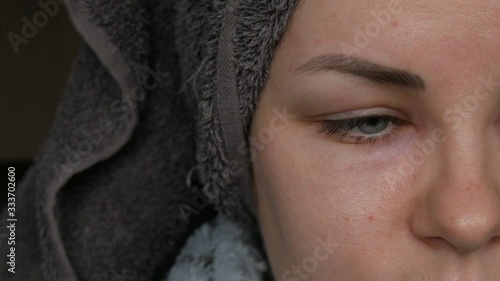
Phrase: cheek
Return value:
(311, 190)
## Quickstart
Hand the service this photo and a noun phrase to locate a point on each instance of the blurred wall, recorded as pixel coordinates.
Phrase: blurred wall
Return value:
(31, 80)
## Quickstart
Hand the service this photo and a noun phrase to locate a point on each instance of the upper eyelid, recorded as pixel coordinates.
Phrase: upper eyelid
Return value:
(361, 113)
(394, 121)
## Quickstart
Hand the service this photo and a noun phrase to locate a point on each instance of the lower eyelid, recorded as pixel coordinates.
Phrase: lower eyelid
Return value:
(372, 139)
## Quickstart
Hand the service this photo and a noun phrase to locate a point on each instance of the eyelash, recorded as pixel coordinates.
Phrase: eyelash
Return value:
(341, 128)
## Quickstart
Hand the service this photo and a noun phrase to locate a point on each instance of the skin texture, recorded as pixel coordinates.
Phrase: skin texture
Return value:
(421, 204)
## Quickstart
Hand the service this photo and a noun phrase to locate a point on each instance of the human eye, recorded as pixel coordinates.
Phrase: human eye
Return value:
(362, 130)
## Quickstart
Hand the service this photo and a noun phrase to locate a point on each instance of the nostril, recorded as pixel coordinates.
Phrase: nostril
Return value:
(495, 240)
(465, 233)
(461, 213)
(436, 243)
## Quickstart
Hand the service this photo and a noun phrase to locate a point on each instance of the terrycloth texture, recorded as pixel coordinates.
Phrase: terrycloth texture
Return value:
(259, 27)
(106, 195)
(219, 250)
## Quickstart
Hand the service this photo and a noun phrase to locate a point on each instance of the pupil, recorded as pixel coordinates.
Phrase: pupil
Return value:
(373, 125)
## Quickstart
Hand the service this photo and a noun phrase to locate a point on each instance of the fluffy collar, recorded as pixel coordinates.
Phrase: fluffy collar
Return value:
(219, 251)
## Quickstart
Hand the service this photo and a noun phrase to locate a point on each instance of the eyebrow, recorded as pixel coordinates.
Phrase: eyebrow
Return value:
(366, 69)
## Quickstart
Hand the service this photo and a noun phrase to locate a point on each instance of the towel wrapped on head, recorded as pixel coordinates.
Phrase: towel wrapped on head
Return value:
(142, 149)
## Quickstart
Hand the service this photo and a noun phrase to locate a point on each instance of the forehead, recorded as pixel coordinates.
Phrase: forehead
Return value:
(398, 32)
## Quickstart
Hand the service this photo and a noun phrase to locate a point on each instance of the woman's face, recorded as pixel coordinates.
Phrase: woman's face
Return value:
(377, 142)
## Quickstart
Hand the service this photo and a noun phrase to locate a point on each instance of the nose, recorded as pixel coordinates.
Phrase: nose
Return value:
(461, 208)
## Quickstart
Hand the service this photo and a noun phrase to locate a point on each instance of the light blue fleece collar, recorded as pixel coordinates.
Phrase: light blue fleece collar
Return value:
(219, 251)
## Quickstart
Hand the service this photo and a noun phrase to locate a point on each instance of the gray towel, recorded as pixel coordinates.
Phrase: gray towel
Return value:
(141, 132)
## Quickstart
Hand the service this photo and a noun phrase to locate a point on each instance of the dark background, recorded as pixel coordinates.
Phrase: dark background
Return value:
(31, 81)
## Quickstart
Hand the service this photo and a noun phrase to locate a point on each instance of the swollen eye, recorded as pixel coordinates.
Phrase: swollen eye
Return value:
(373, 125)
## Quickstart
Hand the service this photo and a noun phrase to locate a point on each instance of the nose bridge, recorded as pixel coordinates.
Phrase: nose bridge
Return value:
(465, 155)
(464, 204)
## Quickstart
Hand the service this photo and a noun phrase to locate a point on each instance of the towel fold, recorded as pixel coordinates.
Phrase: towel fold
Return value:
(117, 186)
